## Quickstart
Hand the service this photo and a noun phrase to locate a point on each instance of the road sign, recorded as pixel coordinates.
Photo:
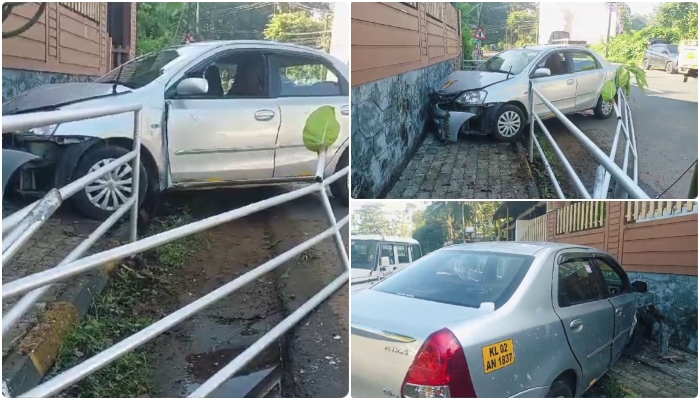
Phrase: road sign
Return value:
(479, 34)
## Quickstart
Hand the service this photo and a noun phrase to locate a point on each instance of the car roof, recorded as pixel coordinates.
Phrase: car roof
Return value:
(525, 248)
(218, 43)
(543, 47)
(382, 238)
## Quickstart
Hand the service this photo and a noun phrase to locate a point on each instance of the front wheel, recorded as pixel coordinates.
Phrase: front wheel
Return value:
(509, 124)
(341, 188)
(560, 389)
(646, 64)
(603, 109)
(105, 195)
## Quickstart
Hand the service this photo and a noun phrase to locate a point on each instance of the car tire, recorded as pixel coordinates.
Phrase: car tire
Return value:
(646, 64)
(560, 388)
(508, 123)
(635, 344)
(339, 188)
(602, 109)
(670, 69)
(86, 201)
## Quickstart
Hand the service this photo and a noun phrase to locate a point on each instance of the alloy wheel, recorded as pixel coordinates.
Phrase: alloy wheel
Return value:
(113, 189)
(508, 124)
(606, 107)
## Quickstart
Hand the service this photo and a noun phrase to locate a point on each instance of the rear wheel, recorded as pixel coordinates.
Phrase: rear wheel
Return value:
(340, 188)
(646, 63)
(670, 69)
(560, 388)
(603, 109)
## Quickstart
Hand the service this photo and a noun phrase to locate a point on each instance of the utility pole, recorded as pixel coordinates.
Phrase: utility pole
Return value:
(196, 19)
(610, 10)
(463, 238)
(478, 25)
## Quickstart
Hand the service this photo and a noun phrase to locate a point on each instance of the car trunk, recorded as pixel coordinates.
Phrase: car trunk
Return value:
(385, 341)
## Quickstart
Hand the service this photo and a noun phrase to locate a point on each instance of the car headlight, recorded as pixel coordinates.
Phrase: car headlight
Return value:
(472, 97)
(47, 130)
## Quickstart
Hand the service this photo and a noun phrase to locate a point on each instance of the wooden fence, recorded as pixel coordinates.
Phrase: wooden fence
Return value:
(536, 230)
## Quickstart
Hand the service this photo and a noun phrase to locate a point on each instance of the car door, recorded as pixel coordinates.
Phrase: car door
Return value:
(587, 316)
(387, 250)
(303, 82)
(559, 88)
(590, 78)
(656, 55)
(620, 294)
(229, 133)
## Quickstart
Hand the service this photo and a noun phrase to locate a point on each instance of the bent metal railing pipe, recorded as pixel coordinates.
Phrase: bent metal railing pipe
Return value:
(37, 283)
(626, 186)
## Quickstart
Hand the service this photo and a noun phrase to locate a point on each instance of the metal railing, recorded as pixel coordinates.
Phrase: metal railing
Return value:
(471, 64)
(626, 185)
(21, 225)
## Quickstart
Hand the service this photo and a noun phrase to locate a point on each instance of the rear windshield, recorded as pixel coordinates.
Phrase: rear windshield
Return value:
(363, 254)
(460, 277)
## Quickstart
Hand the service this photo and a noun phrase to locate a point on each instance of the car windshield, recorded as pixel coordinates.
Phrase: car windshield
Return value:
(363, 254)
(673, 48)
(513, 61)
(143, 70)
(460, 277)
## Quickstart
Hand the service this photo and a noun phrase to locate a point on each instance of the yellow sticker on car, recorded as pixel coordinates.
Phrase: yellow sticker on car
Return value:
(448, 84)
(498, 355)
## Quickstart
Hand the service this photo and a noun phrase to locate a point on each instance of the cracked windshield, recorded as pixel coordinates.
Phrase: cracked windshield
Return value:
(121, 276)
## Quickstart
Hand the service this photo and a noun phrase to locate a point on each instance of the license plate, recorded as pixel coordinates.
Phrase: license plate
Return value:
(498, 355)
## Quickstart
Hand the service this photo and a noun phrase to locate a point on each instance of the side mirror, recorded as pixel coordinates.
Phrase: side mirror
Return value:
(640, 286)
(542, 72)
(192, 86)
(384, 262)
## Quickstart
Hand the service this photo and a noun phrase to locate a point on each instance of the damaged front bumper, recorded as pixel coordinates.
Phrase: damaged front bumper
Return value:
(453, 118)
(449, 122)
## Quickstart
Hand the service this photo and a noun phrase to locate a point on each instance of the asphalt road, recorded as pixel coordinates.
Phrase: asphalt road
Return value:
(666, 126)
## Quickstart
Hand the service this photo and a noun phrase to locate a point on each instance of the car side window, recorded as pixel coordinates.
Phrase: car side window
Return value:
(557, 63)
(238, 75)
(415, 252)
(616, 281)
(584, 61)
(402, 253)
(387, 250)
(578, 282)
(296, 75)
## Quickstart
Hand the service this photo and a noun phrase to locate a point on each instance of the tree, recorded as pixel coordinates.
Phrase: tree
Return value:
(301, 28)
(370, 219)
(158, 25)
(7, 10)
(682, 17)
(430, 236)
(523, 25)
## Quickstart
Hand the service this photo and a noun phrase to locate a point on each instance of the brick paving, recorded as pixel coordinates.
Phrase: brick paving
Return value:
(648, 375)
(473, 168)
(45, 249)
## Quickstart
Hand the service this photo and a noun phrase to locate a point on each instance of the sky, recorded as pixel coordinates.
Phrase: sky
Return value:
(642, 7)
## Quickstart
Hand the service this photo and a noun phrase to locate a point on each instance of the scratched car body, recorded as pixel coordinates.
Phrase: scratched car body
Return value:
(493, 319)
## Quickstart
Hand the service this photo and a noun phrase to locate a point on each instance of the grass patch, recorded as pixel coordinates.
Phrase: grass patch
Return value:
(608, 387)
(539, 171)
(122, 310)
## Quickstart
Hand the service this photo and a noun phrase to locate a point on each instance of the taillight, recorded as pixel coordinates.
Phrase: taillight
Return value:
(439, 369)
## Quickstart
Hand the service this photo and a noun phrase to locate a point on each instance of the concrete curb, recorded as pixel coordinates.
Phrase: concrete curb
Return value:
(35, 355)
(531, 185)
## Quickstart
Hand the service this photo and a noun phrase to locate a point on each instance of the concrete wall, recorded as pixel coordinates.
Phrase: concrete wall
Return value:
(676, 296)
(388, 117)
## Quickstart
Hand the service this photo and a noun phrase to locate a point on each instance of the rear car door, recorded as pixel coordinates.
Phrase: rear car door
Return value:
(387, 250)
(590, 78)
(559, 88)
(587, 316)
(620, 294)
(302, 83)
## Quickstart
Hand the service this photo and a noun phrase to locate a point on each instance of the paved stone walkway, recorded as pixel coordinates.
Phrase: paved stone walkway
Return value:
(473, 168)
(648, 375)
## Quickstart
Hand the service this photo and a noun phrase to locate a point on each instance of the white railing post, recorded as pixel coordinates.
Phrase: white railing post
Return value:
(531, 100)
(136, 175)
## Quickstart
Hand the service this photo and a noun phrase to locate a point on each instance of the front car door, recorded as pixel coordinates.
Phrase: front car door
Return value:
(587, 316)
(559, 88)
(620, 294)
(589, 78)
(655, 55)
(302, 82)
(229, 133)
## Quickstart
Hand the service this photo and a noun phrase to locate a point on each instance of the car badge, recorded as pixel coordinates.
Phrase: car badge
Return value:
(448, 84)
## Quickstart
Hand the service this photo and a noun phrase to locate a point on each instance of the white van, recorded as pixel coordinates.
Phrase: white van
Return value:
(374, 257)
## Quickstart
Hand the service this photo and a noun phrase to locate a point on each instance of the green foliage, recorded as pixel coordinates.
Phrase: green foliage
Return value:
(431, 236)
(321, 129)
(523, 27)
(299, 27)
(156, 25)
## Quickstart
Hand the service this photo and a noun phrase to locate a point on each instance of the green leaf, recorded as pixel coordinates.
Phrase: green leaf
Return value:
(609, 91)
(321, 128)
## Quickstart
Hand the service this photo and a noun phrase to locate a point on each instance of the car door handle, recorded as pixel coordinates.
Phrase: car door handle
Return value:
(570, 81)
(600, 74)
(264, 115)
(576, 324)
(345, 110)
(618, 311)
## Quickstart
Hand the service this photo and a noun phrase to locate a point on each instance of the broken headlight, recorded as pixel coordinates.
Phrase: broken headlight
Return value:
(472, 97)
(47, 130)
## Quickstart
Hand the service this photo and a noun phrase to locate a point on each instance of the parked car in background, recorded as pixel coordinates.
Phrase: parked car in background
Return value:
(375, 257)
(493, 319)
(493, 98)
(662, 55)
(215, 114)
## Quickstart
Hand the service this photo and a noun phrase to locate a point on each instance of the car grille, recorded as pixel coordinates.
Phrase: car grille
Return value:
(443, 97)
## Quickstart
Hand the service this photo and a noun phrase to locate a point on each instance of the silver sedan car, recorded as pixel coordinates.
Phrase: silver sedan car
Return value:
(493, 98)
(494, 319)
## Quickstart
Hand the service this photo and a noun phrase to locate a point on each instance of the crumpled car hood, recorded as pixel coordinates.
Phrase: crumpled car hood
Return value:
(56, 95)
(459, 81)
